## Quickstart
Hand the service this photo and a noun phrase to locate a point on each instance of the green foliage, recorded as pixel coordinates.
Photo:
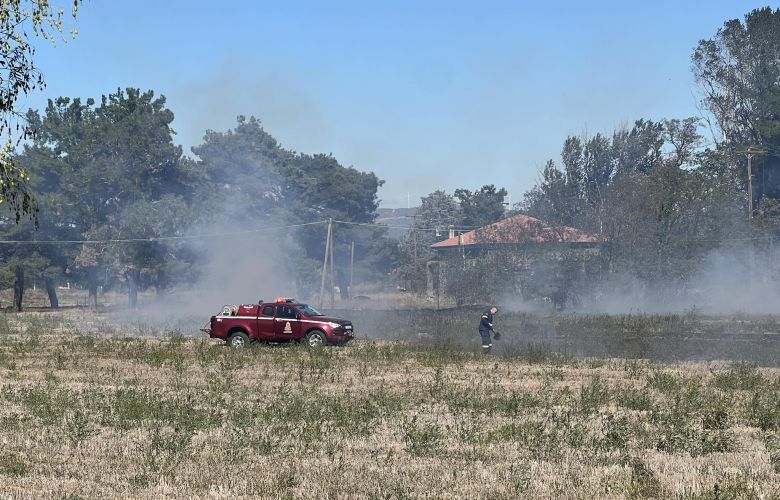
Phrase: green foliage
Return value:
(437, 212)
(593, 396)
(20, 20)
(643, 484)
(107, 170)
(634, 399)
(664, 382)
(12, 465)
(250, 179)
(738, 72)
(763, 410)
(692, 424)
(420, 438)
(658, 201)
(163, 451)
(479, 208)
(740, 376)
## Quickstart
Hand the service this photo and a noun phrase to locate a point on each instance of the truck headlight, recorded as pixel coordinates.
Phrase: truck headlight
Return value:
(334, 325)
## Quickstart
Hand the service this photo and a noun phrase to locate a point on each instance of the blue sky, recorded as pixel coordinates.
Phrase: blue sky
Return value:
(428, 94)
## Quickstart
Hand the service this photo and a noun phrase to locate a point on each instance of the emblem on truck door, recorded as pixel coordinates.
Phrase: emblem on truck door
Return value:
(287, 328)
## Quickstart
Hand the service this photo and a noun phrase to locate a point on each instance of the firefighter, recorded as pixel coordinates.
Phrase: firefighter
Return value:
(485, 327)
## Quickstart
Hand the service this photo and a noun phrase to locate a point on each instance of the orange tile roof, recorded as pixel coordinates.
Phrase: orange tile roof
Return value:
(519, 229)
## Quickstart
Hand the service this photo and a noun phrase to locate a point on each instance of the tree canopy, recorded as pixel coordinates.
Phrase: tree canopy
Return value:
(20, 76)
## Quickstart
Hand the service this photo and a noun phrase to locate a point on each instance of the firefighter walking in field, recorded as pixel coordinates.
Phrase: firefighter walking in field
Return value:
(485, 327)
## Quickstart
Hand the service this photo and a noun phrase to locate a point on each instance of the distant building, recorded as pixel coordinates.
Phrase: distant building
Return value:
(524, 241)
(519, 231)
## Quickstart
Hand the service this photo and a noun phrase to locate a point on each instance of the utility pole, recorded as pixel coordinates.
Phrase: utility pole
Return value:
(750, 184)
(414, 245)
(332, 272)
(413, 234)
(351, 267)
(750, 152)
(325, 261)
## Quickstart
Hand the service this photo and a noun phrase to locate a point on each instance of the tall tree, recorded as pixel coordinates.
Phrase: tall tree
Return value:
(481, 207)
(252, 178)
(241, 173)
(738, 71)
(112, 171)
(19, 76)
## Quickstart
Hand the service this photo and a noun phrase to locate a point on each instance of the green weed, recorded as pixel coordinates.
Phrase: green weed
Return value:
(420, 438)
(643, 483)
(664, 382)
(741, 377)
(593, 395)
(12, 465)
(163, 451)
(634, 399)
(763, 410)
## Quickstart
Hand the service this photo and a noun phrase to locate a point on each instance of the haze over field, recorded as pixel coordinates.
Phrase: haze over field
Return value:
(172, 159)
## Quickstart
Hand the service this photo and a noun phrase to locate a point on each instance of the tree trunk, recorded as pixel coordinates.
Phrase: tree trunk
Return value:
(132, 276)
(52, 291)
(18, 288)
(92, 286)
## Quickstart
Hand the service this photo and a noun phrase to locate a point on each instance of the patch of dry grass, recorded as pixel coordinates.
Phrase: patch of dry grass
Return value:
(84, 416)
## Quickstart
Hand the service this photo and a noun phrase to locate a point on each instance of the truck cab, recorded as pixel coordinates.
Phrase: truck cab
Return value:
(282, 320)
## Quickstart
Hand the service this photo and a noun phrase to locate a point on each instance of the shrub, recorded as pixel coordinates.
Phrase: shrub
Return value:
(740, 376)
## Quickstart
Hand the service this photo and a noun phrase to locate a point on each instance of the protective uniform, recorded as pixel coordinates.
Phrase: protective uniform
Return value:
(485, 327)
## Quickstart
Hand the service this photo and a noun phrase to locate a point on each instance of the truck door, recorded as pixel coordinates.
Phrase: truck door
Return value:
(265, 322)
(286, 324)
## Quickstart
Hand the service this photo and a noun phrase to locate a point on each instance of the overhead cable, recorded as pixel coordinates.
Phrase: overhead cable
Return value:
(158, 238)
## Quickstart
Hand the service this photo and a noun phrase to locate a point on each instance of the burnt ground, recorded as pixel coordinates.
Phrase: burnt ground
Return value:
(660, 337)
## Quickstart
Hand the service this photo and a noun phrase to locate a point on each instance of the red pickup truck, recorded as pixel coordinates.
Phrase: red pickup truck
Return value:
(280, 321)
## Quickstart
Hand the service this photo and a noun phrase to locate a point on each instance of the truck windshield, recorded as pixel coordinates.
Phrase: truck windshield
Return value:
(307, 310)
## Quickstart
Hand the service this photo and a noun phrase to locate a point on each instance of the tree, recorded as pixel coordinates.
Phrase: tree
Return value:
(321, 188)
(160, 260)
(253, 179)
(56, 220)
(111, 171)
(241, 173)
(658, 202)
(18, 77)
(738, 71)
(479, 208)
(437, 212)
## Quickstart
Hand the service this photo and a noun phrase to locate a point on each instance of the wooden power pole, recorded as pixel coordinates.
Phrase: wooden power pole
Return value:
(750, 152)
(325, 261)
(351, 267)
(332, 272)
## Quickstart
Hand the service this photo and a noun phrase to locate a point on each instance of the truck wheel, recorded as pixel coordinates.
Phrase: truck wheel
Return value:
(238, 340)
(316, 339)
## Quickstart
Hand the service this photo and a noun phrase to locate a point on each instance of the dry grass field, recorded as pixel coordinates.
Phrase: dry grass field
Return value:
(95, 416)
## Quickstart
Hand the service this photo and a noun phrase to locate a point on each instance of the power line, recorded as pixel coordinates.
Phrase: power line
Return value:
(376, 224)
(158, 238)
(289, 226)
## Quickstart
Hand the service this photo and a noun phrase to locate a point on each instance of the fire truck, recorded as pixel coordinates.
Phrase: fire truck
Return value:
(282, 320)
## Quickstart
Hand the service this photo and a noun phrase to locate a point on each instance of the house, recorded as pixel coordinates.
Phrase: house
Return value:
(529, 247)
(519, 230)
